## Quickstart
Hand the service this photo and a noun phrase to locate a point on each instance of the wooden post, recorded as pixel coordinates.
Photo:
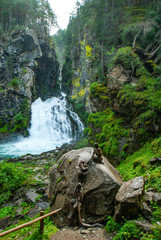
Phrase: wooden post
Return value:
(41, 223)
(29, 223)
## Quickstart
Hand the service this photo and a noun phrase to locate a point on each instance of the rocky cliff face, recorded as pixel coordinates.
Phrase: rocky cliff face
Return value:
(28, 69)
(78, 73)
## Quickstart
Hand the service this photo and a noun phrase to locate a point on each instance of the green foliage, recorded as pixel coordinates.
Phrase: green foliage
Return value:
(6, 211)
(36, 14)
(111, 225)
(138, 164)
(14, 83)
(11, 178)
(4, 129)
(93, 88)
(128, 231)
(32, 232)
(110, 131)
(67, 73)
(58, 180)
(81, 144)
(20, 122)
(129, 60)
(156, 212)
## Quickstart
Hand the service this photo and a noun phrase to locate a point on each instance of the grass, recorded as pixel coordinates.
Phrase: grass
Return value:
(138, 164)
(32, 232)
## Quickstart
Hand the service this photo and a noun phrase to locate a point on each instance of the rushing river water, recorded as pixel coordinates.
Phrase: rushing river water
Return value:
(52, 125)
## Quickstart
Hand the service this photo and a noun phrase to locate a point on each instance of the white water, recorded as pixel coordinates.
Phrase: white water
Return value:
(52, 125)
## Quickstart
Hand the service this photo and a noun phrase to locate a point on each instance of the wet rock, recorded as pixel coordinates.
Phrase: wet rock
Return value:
(129, 199)
(152, 197)
(100, 187)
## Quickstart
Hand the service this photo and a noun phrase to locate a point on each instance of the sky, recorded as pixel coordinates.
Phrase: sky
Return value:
(62, 8)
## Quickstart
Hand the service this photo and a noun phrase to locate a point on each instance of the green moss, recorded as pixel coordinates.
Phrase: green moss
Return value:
(138, 164)
(97, 89)
(88, 51)
(14, 83)
(82, 143)
(127, 59)
(76, 82)
(110, 131)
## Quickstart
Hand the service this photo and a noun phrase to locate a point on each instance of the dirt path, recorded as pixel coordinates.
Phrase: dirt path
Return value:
(82, 234)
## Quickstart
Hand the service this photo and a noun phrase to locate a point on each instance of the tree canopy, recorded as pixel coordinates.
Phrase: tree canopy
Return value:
(36, 14)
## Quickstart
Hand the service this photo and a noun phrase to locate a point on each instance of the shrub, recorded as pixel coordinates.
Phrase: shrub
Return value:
(14, 83)
(111, 225)
(4, 129)
(128, 231)
(93, 88)
(11, 178)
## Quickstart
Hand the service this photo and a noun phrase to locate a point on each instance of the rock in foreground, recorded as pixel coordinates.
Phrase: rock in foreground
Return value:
(129, 199)
(100, 186)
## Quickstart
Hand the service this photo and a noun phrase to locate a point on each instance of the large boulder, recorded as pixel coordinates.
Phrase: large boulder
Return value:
(129, 199)
(100, 186)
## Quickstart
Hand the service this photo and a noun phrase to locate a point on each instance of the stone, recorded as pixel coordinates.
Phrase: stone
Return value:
(99, 188)
(43, 205)
(155, 160)
(32, 195)
(34, 212)
(19, 201)
(85, 232)
(152, 197)
(146, 226)
(146, 211)
(117, 78)
(129, 199)
(6, 221)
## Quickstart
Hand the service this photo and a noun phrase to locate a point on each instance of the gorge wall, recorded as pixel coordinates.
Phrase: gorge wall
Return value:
(28, 70)
(110, 75)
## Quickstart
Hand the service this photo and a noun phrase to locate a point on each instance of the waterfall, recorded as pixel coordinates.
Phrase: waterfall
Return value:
(52, 125)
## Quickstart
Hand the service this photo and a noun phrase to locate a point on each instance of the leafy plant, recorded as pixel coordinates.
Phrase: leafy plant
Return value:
(11, 178)
(6, 211)
(128, 231)
(111, 225)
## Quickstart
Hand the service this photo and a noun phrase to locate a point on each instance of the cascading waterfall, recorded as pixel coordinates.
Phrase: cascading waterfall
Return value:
(52, 125)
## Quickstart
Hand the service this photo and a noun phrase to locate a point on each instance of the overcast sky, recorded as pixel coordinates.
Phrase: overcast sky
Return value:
(62, 8)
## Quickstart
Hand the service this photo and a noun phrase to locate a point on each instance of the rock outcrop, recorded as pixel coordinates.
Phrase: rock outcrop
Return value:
(152, 197)
(28, 69)
(100, 186)
(129, 199)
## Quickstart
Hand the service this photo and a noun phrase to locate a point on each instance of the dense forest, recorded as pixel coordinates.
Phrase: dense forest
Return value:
(101, 36)
(35, 14)
(110, 64)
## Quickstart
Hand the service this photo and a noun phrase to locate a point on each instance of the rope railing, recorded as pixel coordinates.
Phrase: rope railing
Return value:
(31, 222)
